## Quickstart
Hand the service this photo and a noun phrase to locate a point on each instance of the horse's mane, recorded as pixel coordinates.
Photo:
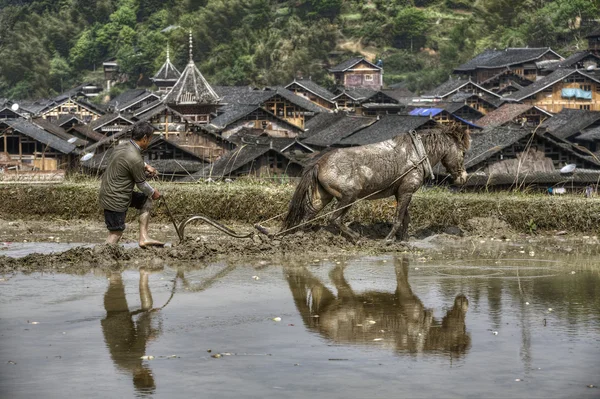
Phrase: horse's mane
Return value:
(454, 130)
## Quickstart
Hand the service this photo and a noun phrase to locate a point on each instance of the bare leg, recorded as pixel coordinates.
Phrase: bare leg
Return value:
(401, 209)
(113, 237)
(144, 221)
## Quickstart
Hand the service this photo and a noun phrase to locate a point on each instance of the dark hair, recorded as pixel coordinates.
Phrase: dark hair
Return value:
(141, 130)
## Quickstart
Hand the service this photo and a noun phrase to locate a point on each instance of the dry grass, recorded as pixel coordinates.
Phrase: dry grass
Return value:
(249, 202)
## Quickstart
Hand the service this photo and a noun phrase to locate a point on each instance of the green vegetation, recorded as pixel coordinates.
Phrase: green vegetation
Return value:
(254, 202)
(47, 46)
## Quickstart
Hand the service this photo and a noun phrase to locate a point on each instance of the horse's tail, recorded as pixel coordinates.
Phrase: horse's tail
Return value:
(301, 200)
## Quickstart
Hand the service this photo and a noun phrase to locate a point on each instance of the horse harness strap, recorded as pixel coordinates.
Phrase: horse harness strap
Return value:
(421, 153)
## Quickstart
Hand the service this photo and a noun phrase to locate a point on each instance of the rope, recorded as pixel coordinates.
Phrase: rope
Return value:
(346, 206)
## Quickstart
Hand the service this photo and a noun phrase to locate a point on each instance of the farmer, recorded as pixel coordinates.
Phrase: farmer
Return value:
(126, 169)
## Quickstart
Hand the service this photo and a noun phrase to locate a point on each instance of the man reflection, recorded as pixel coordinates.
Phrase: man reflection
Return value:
(125, 337)
(399, 320)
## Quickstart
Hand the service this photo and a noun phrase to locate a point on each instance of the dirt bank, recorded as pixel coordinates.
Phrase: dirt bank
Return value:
(82, 259)
(252, 203)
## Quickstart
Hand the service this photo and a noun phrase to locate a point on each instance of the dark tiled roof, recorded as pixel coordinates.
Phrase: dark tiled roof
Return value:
(36, 107)
(504, 114)
(400, 94)
(87, 131)
(569, 122)
(114, 139)
(590, 135)
(314, 88)
(147, 107)
(299, 101)
(452, 85)
(143, 97)
(488, 142)
(106, 119)
(57, 131)
(349, 63)
(232, 113)
(358, 93)
(321, 121)
(248, 96)
(503, 58)
(127, 96)
(37, 133)
(191, 88)
(67, 118)
(337, 131)
(387, 127)
(541, 84)
(157, 110)
(571, 61)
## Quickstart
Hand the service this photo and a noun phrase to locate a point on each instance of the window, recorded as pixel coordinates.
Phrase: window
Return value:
(586, 87)
(368, 78)
(585, 107)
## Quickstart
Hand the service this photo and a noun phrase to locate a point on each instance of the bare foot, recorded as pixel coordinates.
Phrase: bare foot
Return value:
(151, 243)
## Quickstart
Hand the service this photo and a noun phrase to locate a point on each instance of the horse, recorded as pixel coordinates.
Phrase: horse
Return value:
(393, 167)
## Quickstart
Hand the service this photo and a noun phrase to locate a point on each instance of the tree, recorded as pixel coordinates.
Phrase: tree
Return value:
(410, 25)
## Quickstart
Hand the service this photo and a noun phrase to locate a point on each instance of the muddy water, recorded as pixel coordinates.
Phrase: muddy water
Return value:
(513, 325)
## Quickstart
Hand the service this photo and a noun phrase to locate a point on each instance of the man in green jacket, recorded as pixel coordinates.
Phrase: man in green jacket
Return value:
(125, 170)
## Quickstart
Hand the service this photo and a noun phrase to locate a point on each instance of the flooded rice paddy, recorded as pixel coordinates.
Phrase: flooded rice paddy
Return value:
(393, 325)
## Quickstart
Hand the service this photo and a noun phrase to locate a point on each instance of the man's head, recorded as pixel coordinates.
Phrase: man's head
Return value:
(142, 134)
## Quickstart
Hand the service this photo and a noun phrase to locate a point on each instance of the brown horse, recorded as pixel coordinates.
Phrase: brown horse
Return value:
(380, 170)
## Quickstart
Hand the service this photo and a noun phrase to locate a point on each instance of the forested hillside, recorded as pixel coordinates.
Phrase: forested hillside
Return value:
(49, 45)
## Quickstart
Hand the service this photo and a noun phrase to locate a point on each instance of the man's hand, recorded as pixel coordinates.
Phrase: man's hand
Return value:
(155, 195)
(150, 171)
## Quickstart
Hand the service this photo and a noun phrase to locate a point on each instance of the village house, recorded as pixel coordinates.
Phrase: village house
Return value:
(312, 92)
(28, 146)
(520, 61)
(516, 115)
(563, 88)
(358, 72)
(85, 111)
(446, 115)
(369, 102)
(593, 39)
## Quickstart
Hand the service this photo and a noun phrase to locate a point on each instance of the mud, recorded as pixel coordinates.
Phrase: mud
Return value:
(80, 260)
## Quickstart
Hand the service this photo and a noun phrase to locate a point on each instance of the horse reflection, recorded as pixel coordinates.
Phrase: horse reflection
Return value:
(127, 333)
(396, 320)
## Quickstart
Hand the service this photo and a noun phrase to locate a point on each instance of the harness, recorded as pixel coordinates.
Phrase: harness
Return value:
(421, 153)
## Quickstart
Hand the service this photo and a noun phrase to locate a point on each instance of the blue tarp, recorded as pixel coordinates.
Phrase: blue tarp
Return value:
(577, 93)
(425, 111)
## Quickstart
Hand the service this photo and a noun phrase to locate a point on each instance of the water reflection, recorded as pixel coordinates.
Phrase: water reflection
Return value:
(396, 320)
(127, 333)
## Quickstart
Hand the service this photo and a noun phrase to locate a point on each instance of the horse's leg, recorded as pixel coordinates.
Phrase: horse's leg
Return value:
(401, 209)
(337, 219)
(319, 200)
(405, 223)
(341, 285)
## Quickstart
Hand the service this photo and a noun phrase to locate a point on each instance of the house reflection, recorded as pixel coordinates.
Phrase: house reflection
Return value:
(127, 333)
(397, 320)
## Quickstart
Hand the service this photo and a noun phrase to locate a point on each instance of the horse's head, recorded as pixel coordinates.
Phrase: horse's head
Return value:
(454, 159)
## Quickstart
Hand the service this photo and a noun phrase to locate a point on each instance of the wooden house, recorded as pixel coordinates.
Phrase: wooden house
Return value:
(110, 124)
(368, 102)
(568, 124)
(504, 80)
(235, 117)
(444, 116)
(564, 88)
(514, 157)
(521, 61)
(33, 148)
(358, 72)
(516, 115)
(453, 87)
(112, 75)
(167, 76)
(312, 92)
(279, 101)
(264, 157)
(82, 110)
(387, 127)
(137, 103)
(328, 130)
(483, 103)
